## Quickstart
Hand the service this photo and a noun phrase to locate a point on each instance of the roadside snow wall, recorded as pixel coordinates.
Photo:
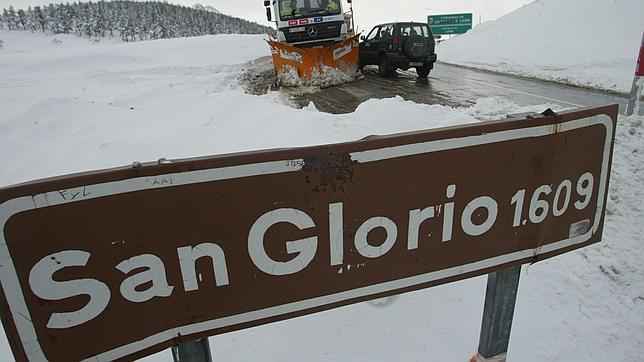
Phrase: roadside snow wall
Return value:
(586, 43)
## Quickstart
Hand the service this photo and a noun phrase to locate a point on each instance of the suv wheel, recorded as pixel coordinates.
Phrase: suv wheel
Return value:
(423, 71)
(384, 66)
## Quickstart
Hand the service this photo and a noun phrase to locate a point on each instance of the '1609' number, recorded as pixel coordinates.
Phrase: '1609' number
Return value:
(539, 208)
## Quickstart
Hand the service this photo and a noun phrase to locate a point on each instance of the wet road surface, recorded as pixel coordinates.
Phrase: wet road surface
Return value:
(452, 86)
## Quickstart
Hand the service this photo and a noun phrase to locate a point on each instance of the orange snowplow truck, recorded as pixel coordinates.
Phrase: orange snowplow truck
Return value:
(314, 38)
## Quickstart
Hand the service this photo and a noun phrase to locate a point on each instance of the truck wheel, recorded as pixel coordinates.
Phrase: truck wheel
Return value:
(384, 66)
(423, 72)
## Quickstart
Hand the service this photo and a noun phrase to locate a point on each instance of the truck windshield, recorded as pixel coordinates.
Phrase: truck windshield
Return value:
(291, 9)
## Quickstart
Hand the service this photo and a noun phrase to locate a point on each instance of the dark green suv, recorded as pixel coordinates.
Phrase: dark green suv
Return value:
(399, 46)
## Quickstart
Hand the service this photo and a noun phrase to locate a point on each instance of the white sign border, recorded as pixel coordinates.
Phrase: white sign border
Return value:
(22, 318)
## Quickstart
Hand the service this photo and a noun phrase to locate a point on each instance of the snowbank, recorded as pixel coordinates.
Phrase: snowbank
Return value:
(323, 77)
(585, 43)
(94, 106)
(21, 42)
(106, 105)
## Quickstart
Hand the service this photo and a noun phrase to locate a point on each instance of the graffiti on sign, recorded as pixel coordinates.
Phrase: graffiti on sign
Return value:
(201, 247)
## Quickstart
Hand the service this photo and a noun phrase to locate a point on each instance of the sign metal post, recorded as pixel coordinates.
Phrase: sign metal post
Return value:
(193, 351)
(638, 83)
(500, 301)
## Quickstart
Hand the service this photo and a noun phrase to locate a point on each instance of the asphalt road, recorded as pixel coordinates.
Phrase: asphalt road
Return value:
(456, 87)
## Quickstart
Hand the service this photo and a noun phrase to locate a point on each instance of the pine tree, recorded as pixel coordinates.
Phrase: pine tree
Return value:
(40, 19)
(3, 19)
(30, 20)
(11, 19)
(22, 20)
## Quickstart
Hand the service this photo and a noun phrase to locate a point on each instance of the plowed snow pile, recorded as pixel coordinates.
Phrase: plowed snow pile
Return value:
(587, 43)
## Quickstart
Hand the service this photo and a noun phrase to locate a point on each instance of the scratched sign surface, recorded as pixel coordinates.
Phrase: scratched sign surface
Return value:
(119, 264)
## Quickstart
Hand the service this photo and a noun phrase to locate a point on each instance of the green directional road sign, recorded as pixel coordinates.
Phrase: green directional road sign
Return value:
(450, 24)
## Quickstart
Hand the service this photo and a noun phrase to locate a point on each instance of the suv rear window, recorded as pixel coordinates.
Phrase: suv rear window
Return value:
(415, 29)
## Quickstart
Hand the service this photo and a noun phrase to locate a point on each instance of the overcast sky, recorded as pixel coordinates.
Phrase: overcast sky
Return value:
(368, 12)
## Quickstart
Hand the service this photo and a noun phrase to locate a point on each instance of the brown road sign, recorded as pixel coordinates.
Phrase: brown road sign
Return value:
(118, 264)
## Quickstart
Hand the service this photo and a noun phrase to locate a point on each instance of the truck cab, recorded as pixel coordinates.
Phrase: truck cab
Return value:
(308, 22)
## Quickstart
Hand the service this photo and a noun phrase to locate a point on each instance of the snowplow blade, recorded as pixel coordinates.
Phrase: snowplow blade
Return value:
(319, 66)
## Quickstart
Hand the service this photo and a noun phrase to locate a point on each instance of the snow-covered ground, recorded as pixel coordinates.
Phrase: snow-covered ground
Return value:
(586, 43)
(76, 106)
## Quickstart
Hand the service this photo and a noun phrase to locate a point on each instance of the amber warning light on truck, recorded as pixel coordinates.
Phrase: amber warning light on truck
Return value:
(202, 247)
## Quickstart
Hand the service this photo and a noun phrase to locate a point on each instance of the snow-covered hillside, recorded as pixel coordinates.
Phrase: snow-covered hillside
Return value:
(70, 106)
(587, 43)
(126, 20)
